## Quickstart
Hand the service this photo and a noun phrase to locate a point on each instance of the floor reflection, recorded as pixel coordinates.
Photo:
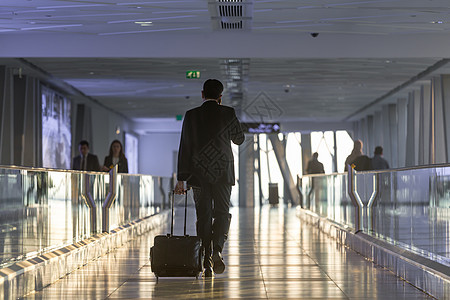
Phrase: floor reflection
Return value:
(269, 255)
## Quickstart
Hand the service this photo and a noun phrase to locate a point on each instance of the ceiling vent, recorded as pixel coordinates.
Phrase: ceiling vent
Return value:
(231, 14)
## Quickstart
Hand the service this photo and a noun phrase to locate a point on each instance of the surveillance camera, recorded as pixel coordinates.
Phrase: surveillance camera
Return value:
(286, 90)
(187, 97)
(314, 34)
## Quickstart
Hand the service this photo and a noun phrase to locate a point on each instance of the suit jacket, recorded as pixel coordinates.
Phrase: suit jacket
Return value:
(91, 164)
(205, 153)
(123, 164)
(314, 167)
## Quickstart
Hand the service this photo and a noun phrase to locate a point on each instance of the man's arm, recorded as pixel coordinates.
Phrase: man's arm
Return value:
(236, 134)
(184, 152)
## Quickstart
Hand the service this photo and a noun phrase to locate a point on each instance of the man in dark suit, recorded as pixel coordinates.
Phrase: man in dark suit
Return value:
(205, 161)
(85, 161)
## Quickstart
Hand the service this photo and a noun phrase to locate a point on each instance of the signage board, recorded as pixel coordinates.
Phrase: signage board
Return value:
(261, 127)
(192, 74)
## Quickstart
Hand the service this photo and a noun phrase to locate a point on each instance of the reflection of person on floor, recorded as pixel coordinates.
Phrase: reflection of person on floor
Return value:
(314, 166)
(116, 157)
(205, 160)
(85, 161)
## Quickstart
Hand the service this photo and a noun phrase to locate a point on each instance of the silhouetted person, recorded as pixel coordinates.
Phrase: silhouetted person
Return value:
(205, 160)
(85, 161)
(116, 157)
(378, 162)
(356, 152)
(314, 166)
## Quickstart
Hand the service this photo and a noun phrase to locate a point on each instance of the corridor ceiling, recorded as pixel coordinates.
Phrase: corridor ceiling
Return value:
(132, 56)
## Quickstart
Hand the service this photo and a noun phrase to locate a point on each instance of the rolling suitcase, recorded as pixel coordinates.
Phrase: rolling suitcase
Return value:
(177, 256)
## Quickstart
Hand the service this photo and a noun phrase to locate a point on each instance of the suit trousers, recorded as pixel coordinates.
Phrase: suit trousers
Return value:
(212, 205)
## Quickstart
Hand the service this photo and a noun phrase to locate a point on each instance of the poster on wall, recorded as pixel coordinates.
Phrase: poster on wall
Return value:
(56, 134)
(131, 152)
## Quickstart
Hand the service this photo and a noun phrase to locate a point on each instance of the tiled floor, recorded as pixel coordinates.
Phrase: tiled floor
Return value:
(269, 255)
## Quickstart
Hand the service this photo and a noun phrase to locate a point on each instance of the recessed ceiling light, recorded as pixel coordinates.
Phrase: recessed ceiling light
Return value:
(437, 22)
(388, 61)
(92, 73)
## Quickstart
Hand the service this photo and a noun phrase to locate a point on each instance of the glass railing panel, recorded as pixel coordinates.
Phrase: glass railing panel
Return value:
(406, 213)
(43, 209)
(327, 196)
(138, 196)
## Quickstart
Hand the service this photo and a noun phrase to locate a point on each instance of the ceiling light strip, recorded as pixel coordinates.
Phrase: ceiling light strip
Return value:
(151, 19)
(53, 26)
(154, 30)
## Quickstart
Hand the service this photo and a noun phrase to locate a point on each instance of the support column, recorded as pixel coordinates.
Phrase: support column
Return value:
(335, 164)
(246, 173)
(370, 136)
(446, 110)
(426, 121)
(440, 146)
(378, 129)
(417, 125)
(363, 136)
(6, 116)
(280, 154)
(27, 108)
(402, 114)
(83, 127)
(394, 134)
(410, 132)
(386, 135)
(306, 150)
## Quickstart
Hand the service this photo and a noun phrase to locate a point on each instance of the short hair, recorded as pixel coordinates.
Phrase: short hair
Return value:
(84, 142)
(315, 155)
(378, 150)
(212, 89)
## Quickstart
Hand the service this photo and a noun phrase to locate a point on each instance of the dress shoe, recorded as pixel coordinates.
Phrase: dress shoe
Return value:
(218, 264)
(208, 272)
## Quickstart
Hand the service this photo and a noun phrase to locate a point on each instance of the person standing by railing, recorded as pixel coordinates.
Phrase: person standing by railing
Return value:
(378, 162)
(356, 152)
(85, 161)
(314, 165)
(116, 157)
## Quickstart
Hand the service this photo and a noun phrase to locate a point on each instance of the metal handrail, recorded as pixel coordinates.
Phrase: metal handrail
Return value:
(89, 201)
(39, 169)
(356, 200)
(443, 165)
(109, 198)
(372, 200)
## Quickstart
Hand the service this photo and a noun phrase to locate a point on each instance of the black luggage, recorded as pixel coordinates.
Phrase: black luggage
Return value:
(177, 256)
(273, 194)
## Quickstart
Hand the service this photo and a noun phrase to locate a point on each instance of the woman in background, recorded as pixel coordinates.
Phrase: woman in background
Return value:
(116, 157)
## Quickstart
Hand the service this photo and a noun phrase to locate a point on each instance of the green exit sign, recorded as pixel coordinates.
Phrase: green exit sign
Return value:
(192, 74)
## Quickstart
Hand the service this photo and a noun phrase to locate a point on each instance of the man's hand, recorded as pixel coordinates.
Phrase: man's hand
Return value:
(179, 188)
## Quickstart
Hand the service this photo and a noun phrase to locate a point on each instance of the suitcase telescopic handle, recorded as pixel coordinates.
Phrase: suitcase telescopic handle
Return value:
(185, 211)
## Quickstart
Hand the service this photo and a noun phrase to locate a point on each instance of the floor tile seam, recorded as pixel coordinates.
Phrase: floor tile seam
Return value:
(260, 269)
(318, 265)
(126, 280)
(373, 263)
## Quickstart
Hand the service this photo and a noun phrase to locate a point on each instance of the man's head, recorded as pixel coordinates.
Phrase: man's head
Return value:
(378, 150)
(212, 89)
(315, 155)
(83, 146)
